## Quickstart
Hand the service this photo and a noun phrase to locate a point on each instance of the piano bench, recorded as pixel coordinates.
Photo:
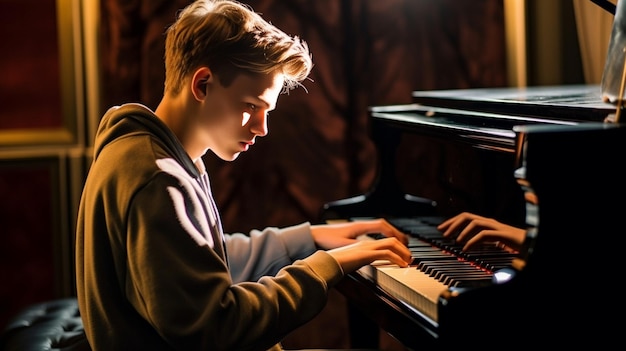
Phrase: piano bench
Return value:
(50, 325)
(56, 325)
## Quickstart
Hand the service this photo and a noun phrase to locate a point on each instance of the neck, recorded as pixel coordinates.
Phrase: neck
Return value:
(176, 114)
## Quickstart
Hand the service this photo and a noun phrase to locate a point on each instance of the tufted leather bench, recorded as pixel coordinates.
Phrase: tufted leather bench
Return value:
(56, 325)
(50, 325)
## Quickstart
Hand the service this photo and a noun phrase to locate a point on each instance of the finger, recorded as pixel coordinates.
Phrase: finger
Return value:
(403, 252)
(398, 260)
(454, 226)
(391, 231)
(483, 237)
(392, 245)
(391, 257)
(403, 238)
(445, 224)
(470, 230)
(473, 241)
(476, 226)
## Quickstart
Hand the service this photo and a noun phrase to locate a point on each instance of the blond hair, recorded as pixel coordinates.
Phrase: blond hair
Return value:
(230, 38)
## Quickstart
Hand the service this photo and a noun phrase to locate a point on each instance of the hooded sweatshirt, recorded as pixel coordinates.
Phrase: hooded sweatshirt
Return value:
(154, 270)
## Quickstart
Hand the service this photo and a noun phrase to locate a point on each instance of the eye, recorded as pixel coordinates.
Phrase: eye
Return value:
(256, 110)
(253, 109)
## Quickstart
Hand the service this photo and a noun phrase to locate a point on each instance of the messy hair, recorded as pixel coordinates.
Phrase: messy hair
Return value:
(231, 39)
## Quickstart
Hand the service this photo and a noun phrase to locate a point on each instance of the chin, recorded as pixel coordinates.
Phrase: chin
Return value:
(230, 157)
(224, 156)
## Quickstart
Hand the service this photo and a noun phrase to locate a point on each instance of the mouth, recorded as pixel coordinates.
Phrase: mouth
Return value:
(246, 145)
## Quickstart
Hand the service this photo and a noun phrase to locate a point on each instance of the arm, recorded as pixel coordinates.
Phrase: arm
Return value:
(182, 288)
(265, 252)
(169, 260)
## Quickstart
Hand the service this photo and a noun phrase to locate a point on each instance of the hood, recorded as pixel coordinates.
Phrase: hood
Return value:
(133, 120)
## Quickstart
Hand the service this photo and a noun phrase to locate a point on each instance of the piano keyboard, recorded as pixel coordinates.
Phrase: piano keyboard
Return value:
(438, 265)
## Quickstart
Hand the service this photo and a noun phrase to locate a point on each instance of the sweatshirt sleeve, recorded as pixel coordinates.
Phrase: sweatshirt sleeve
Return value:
(177, 283)
(265, 252)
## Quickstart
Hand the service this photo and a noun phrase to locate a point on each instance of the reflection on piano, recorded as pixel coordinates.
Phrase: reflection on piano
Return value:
(564, 183)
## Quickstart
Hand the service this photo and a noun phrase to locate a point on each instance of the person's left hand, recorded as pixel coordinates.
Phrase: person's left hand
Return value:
(330, 236)
(473, 229)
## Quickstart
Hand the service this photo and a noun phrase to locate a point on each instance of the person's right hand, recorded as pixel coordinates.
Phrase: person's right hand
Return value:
(474, 229)
(354, 256)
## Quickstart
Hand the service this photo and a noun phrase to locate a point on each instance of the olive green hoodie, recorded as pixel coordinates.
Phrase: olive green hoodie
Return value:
(155, 271)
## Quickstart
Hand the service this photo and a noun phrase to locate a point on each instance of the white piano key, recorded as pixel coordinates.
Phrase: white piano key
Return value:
(409, 285)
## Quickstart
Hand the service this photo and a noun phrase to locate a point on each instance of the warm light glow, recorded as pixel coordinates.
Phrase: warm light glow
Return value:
(515, 29)
(245, 119)
(594, 33)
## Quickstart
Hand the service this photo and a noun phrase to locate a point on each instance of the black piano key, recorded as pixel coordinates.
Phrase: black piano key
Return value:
(417, 259)
(444, 258)
(459, 273)
(487, 254)
(472, 283)
(445, 276)
(432, 267)
(497, 264)
(424, 248)
(422, 258)
(376, 236)
(419, 243)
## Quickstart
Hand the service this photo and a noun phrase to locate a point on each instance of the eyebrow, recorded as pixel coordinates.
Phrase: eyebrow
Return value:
(265, 103)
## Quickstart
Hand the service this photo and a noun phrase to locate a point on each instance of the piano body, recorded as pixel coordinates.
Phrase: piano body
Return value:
(549, 163)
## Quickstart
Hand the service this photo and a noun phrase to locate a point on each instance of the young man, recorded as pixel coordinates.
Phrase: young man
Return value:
(154, 270)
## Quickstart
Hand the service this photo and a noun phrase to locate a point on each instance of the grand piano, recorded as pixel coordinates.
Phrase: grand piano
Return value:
(556, 153)
(547, 159)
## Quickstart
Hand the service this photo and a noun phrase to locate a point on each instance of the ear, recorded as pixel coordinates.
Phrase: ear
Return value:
(202, 78)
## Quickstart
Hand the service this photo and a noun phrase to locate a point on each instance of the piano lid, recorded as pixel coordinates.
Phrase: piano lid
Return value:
(578, 103)
(564, 102)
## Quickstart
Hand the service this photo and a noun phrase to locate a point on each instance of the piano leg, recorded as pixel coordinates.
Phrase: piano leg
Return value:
(364, 333)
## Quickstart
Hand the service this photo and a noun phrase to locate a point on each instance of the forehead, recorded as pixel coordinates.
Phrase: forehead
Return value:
(266, 87)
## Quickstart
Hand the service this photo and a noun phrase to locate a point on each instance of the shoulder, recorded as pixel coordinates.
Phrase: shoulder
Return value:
(129, 164)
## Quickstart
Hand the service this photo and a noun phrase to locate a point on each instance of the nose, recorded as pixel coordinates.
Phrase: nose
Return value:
(258, 124)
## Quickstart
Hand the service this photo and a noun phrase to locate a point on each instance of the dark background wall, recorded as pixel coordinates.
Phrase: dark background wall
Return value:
(365, 52)
(318, 148)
